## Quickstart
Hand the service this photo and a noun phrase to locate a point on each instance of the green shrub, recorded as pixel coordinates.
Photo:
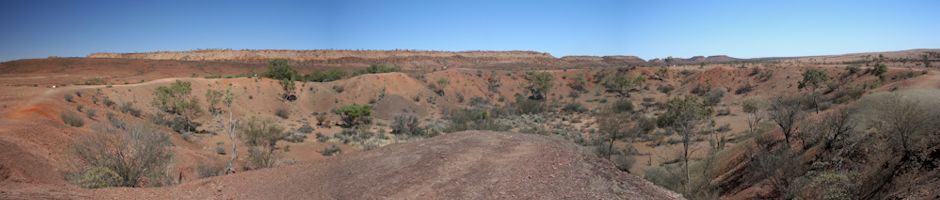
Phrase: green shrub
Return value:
(744, 89)
(137, 157)
(305, 128)
(261, 136)
(338, 88)
(100, 177)
(354, 114)
(95, 81)
(68, 98)
(574, 107)
(376, 69)
(176, 99)
(528, 106)
(72, 119)
(91, 113)
(331, 150)
(128, 108)
(282, 113)
(108, 102)
(326, 76)
(622, 106)
(540, 84)
(879, 70)
(116, 122)
(714, 96)
(665, 89)
(472, 119)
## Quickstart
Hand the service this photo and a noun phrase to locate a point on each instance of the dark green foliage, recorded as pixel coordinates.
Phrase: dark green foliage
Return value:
(540, 84)
(622, 83)
(176, 99)
(527, 106)
(280, 70)
(622, 106)
(108, 102)
(879, 70)
(813, 78)
(353, 115)
(178, 123)
(377, 69)
(473, 119)
(683, 112)
(68, 98)
(326, 75)
(744, 89)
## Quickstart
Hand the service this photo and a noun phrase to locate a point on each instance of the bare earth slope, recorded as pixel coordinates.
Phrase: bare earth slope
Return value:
(466, 165)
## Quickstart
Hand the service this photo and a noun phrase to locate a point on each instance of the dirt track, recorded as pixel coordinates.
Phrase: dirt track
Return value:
(466, 165)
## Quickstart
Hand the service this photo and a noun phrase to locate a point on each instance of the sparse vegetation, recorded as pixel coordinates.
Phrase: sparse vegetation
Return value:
(72, 119)
(684, 115)
(261, 136)
(137, 158)
(786, 112)
(406, 124)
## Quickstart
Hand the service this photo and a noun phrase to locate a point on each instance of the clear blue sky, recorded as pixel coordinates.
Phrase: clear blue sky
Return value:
(649, 29)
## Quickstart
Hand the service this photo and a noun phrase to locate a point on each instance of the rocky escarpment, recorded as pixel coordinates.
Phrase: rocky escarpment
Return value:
(409, 59)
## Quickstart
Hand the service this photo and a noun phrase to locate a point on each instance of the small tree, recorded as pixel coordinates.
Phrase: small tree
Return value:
(353, 114)
(813, 79)
(880, 70)
(441, 84)
(786, 112)
(261, 135)
(176, 99)
(540, 84)
(407, 124)
(280, 70)
(578, 83)
(623, 84)
(684, 115)
(754, 108)
(225, 98)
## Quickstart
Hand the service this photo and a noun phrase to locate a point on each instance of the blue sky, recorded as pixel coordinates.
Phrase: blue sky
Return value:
(649, 29)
